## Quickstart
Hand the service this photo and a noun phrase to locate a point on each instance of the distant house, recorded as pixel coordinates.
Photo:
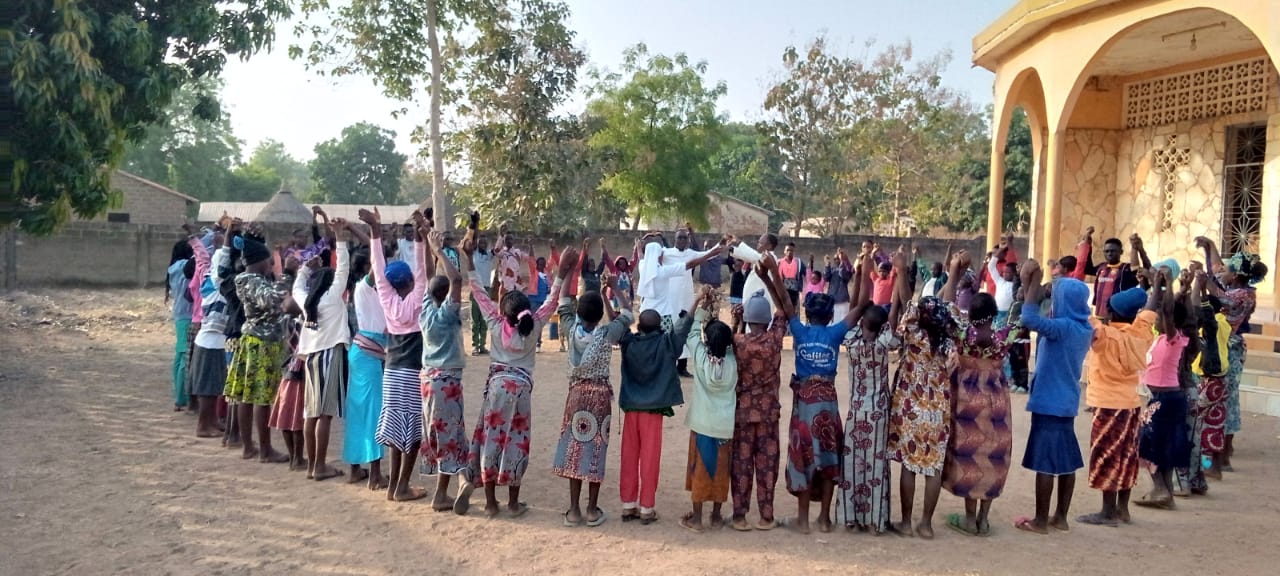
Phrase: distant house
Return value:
(146, 202)
(725, 215)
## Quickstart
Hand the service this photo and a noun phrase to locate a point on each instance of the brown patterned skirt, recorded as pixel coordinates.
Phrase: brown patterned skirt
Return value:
(1113, 449)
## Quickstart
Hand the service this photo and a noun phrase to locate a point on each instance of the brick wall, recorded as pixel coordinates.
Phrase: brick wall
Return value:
(146, 204)
(96, 253)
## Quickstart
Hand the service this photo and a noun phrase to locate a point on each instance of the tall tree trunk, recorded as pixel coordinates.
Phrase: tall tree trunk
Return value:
(439, 188)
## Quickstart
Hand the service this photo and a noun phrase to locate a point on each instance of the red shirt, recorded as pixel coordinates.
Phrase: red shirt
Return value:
(989, 283)
(882, 288)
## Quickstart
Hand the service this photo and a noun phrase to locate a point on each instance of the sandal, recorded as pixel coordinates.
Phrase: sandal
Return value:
(599, 520)
(687, 525)
(1097, 519)
(522, 509)
(647, 519)
(629, 514)
(570, 523)
(1028, 524)
(956, 522)
(1148, 502)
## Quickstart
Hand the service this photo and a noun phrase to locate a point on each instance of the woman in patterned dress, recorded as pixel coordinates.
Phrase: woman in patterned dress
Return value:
(500, 444)
(864, 489)
(981, 440)
(444, 434)
(584, 433)
(920, 416)
(1234, 288)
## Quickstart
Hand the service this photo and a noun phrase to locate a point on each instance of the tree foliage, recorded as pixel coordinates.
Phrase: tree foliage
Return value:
(270, 158)
(87, 78)
(747, 168)
(522, 66)
(661, 126)
(866, 141)
(188, 153)
(361, 167)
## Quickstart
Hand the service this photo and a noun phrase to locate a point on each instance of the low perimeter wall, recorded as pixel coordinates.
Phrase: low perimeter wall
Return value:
(110, 254)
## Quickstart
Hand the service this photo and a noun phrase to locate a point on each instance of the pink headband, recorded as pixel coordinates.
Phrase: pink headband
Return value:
(522, 314)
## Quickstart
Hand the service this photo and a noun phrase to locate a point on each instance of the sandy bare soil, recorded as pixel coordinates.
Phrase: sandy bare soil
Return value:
(98, 476)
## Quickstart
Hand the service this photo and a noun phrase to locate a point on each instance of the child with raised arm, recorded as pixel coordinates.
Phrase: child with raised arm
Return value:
(444, 445)
(501, 442)
(816, 446)
(400, 419)
(864, 488)
(711, 414)
(1116, 358)
(584, 431)
(1053, 452)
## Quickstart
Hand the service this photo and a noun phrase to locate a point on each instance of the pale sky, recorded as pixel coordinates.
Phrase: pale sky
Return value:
(274, 97)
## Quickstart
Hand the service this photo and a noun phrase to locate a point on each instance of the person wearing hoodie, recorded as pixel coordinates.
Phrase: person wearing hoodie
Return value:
(1052, 449)
(711, 413)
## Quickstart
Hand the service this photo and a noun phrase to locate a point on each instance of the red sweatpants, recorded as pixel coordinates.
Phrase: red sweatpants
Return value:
(641, 458)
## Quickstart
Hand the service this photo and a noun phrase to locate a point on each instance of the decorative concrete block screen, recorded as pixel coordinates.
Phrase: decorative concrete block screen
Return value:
(1233, 88)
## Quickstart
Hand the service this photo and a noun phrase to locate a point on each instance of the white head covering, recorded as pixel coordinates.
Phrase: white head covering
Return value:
(647, 287)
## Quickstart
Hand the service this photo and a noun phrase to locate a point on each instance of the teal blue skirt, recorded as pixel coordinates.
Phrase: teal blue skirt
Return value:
(364, 402)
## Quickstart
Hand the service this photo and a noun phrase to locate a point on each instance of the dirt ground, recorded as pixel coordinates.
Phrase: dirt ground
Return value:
(98, 475)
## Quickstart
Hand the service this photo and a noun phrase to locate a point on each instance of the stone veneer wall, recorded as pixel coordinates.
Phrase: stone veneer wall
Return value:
(1088, 185)
(1111, 182)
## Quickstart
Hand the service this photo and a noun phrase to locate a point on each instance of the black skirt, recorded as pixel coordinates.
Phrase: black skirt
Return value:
(1166, 439)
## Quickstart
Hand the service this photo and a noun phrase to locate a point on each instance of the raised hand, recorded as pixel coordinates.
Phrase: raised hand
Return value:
(568, 262)
(1135, 241)
(473, 222)
(1030, 272)
(608, 280)
(435, 239)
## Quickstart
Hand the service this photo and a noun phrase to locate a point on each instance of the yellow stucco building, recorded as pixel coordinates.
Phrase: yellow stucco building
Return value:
(1160, 117)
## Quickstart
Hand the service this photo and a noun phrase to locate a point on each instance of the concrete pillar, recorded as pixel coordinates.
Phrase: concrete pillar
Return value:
(995, 196)
(1053, 198)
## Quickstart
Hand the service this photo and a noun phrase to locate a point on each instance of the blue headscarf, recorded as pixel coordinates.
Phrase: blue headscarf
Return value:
(399, 274)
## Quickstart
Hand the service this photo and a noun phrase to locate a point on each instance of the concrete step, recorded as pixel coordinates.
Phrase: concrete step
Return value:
(1264, 361)
(1260, 379)
(1259, 400)
(1262, 343)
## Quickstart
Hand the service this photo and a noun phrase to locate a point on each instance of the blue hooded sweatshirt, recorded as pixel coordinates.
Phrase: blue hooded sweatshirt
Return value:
(1064, 342)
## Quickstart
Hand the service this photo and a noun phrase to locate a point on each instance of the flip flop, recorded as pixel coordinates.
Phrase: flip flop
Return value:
(570, 523)
(956, 523)
(333, 473)
(521, 510)
(1027, 524)
(766, 526)
(1147, 502)
(1097, 519)
(740, 525)
(463, 502)
(598, 521)
(684, 523)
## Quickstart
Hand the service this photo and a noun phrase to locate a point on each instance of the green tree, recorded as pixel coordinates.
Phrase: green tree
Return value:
(806, 111)
(398, 43)
(252, 183)
(748, 169)
(661, 125)
(962, 195)
(186, 152)
(361, 167)
(270, 157)
(522, 66)
(89, 77)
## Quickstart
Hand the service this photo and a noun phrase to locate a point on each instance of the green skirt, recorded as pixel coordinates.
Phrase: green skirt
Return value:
(255, 371)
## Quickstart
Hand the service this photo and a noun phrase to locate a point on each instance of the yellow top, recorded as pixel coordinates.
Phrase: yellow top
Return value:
(1116, 358)
(1224, 335)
